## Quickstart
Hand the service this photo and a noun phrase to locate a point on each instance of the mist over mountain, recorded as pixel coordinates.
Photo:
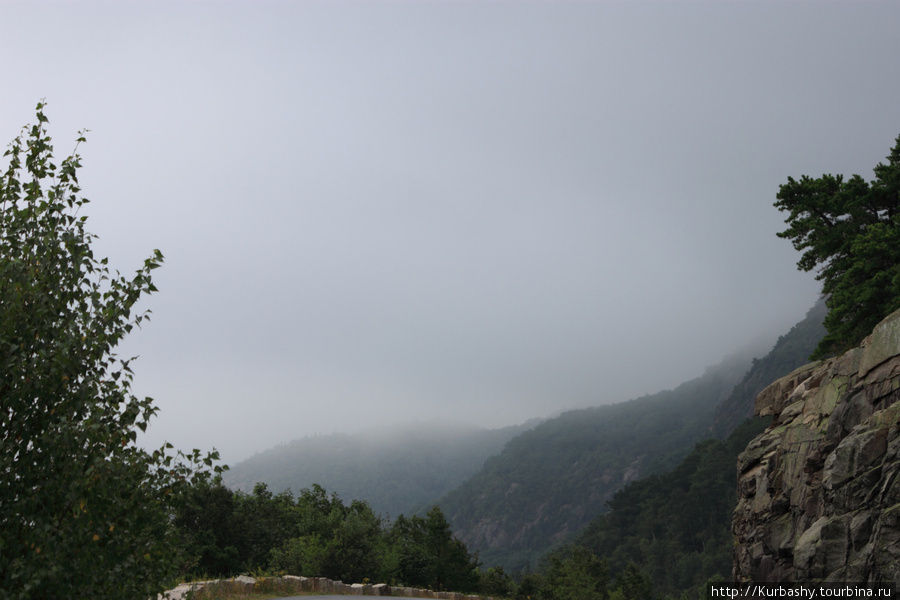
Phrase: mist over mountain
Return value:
(396, 470)
(369, 213)
(792, 350)
(515, 493)
(552, 481)
(676, 525)
(548, 483)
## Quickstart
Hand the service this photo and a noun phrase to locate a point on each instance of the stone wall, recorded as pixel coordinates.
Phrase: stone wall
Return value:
(314, 585)
(819, 490)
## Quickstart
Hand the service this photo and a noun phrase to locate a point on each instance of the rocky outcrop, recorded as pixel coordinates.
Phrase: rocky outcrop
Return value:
(819, 490)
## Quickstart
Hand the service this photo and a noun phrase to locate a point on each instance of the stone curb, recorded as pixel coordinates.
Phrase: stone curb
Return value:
(319, 585)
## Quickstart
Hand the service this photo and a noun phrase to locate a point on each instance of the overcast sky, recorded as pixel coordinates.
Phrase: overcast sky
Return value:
(377, 212)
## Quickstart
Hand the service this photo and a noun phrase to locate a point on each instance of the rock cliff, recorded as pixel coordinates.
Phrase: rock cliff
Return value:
(819, 490)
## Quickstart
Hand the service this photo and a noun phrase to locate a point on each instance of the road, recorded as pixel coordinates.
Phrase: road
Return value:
(317, 597)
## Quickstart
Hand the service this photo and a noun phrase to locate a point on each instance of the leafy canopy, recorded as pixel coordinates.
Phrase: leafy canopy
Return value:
(84, 512)
(850, 231)
(228, 532)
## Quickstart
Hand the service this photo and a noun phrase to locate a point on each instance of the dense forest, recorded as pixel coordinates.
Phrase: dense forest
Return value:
(667, 534)
(676, 526)
(663, 536)
(231, 532)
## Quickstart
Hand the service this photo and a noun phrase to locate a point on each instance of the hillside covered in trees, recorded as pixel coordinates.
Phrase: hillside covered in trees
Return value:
(666, 534)
(648, 467)
(539, 484)
(549, 482)
(676, 526)
(669, 534)
(398, 471)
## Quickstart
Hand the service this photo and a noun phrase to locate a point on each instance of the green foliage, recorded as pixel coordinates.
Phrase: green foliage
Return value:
(338, 541)
(265, 521)
(576, 574)
(84, 512)
(209, 530)
(429, 555)
(497, 582)
(317, 535)
(663, 537)
(632, 584)
(850, 231)
(225, 533)
(531, 586)
(673, 530)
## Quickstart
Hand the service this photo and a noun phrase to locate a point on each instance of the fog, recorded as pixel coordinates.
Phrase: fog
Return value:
(380, 212)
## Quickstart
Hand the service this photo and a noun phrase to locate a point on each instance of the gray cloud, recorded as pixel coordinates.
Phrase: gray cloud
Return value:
(385, 211)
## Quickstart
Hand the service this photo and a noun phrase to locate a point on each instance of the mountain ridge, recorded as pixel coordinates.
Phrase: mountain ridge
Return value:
(566, 468)
(397, 471)
(549, 482)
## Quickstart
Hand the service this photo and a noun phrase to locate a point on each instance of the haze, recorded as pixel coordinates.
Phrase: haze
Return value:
(382, 212)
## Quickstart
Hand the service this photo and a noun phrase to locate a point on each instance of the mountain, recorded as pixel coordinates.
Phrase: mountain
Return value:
(792, 350)
(514, 494)
(551, 481)
(396, 472)
(677, 525)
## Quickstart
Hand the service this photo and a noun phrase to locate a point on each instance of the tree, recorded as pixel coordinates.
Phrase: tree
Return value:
(850, 231)
(207, 522)
(496, 582)
(266, 521)
(84, 512)
(576, 573)
(632, 584)
(429, 555)
(332, 539)
(452, 567)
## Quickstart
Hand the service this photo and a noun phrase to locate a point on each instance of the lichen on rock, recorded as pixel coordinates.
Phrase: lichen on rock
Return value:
(819, 491)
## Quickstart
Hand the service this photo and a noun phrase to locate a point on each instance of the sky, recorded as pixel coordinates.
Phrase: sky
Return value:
(390, 211)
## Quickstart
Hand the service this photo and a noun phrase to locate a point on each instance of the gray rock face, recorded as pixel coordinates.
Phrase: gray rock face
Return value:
(819, 491)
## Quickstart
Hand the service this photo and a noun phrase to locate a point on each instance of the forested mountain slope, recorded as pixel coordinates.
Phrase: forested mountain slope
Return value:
(676, 526)
(396, 472)
(514, 493)
(551, 481)
(672, 530)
